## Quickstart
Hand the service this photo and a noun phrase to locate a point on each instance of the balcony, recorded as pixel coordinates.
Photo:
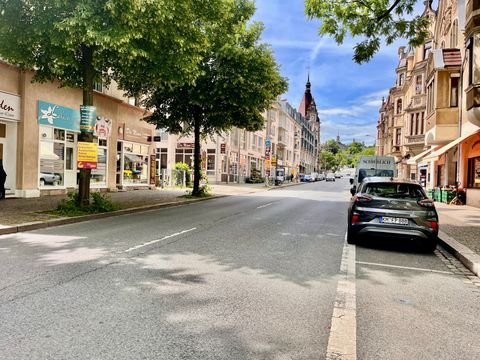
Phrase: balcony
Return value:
(415, 139)
(441, 126)
(282, 141)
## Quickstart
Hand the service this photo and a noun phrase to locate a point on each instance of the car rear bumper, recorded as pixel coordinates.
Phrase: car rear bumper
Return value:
(395, 232)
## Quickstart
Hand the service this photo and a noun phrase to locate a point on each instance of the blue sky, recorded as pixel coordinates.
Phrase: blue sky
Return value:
(347, 95)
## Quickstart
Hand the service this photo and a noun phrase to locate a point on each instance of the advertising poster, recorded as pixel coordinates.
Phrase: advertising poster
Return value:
(88, 118)
(87, 155)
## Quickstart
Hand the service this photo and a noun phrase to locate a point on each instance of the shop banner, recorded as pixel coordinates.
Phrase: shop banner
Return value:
(87, 155)
(153, 169)
(58, 116)
(88, 118)
(9, 106)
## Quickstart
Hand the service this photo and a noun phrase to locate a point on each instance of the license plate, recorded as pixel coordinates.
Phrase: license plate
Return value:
(393, 220)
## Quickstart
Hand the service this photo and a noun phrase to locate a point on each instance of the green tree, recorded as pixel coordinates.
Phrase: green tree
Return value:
(355, 147)
(328, 161)
(371, 20)
(79, 42)
(239, 80)
(332, 145)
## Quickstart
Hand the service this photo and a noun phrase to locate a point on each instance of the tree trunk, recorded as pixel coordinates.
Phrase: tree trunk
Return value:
(88, 77)
(196, 154)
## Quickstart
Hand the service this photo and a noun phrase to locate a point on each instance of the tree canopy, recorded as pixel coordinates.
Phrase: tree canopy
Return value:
(239, 79)
(130, 41)
(370, 20)
(335, 155)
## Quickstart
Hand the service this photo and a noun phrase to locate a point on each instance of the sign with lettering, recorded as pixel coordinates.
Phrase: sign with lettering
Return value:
(222, 148)
(185, 145)
(134, 133)
(87, 155)
(153, 169)
(9, 106)
(88, 118)
(58, 116)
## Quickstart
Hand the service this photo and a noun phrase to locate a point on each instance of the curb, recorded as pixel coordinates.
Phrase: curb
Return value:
(72, 220)
(76, 219)
(467, 257)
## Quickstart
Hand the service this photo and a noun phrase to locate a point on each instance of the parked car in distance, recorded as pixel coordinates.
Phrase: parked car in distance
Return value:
(392, 208)
(50, 179)
(330, 177)
(307, 178)
(321, 177)
(338, 175)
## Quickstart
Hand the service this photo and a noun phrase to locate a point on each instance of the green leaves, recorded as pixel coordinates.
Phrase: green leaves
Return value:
(372, 20)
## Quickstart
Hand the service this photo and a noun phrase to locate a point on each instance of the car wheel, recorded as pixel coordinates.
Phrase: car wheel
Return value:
(42, 182)
(431, 245)
(55, 183)
(351, 239)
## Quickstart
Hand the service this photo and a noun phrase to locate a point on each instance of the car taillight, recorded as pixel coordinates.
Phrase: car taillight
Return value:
(428, 203)
(355, 218)
(434, 225)
(362, 198)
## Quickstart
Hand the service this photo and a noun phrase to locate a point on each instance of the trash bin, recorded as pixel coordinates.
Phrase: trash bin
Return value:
(430, 193)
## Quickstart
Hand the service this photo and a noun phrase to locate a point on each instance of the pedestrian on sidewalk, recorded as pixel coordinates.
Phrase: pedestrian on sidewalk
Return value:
(3, 178)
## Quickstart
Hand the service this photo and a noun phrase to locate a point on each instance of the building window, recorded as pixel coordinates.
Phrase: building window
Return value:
(53, 156)
(431, 97)
(399, 106)
(412, 121)
(418, 84)
(422, 124)
(98, 86)
(162, 157)
(454, 91)
(472, 46)
(427, 48)
(135, 163)
(184, 156)
(211, 162)
(99, 175)
(474, 172)
(454, 34)
(398, 136)
(401, 79)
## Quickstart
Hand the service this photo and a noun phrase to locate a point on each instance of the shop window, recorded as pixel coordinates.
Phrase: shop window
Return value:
(454, 91)
(135, 166)
(210, 161)
(53, 157)
(99, 175)
(474, 172)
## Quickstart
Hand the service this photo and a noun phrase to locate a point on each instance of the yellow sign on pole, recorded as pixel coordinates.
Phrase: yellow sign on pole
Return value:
(87, 154)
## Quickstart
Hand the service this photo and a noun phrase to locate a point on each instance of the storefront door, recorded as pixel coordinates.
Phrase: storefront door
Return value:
(8, 153)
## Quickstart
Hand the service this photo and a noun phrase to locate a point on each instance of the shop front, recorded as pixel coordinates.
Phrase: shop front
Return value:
(9, 117)
(133, 157)
(471, 169)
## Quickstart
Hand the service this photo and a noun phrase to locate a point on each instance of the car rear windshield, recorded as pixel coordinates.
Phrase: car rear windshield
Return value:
(395, 190)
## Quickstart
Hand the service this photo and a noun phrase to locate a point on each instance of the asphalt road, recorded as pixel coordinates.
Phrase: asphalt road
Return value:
(245, 277)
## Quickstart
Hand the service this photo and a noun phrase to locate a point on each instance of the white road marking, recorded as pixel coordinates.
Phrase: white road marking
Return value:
(158, 240)
(342, 341)
(405, 267)
(264, 206)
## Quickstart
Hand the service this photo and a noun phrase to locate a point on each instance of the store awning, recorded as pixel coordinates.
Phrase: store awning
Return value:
(134, 158)
(414, 160)
(434, 156)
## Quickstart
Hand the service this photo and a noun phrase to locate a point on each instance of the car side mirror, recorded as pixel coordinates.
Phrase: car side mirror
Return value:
(351, 181)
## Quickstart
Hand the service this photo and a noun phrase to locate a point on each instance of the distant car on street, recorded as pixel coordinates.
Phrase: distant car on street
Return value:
(392, 208)
(308, 178)
(321, 176)
(330, 177)
(338, 175)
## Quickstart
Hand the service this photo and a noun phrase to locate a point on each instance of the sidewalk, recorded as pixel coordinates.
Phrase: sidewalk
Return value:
(20, 211)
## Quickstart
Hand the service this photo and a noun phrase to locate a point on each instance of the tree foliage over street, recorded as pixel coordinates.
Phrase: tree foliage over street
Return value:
(238, 81)
(78, 42)
(371, 20)
(335, 155)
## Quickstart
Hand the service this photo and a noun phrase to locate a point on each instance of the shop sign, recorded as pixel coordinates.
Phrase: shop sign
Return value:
(58, 116)
(267, 163)
(267, 152)
(9, 106)
(88, 118)
(222, 148)
(134, 133)
(87, 155)
(185, 145)
(153, 169)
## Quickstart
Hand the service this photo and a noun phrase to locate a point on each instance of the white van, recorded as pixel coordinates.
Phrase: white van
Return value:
(368, 166)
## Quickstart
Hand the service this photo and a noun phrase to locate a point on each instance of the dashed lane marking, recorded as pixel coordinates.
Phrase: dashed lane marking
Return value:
(264, 206)
(404, 267)
(159, 240)
(342, 341)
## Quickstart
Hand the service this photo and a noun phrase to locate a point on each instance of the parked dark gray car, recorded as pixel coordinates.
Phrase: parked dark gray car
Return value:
(392, 208)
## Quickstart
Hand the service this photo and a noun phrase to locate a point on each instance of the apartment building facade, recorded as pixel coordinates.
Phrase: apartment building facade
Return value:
(39, 128)
(448, 100)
